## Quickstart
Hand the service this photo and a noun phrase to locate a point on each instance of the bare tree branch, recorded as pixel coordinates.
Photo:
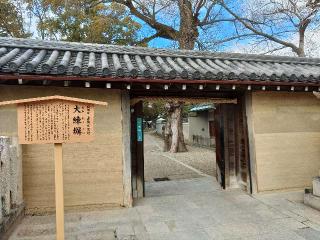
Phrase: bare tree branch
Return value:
(269, 17)
(258, 32)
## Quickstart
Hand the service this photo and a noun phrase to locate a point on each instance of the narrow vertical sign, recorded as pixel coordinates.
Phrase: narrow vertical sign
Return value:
(139, 130)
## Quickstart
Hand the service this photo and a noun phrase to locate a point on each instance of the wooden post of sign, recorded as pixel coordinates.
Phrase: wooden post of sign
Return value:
(59, 191)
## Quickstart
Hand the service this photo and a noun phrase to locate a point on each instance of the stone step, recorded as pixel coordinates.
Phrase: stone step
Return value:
(311, 199)
(316, 186)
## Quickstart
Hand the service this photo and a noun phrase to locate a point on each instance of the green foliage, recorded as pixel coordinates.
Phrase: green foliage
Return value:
(74, 20)
(11, 20)
(151, 111)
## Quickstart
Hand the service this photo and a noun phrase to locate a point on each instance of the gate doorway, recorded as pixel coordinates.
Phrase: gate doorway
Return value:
(229, 129)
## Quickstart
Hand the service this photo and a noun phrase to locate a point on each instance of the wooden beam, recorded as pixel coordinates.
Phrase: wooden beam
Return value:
(125, 79)
(184, 99)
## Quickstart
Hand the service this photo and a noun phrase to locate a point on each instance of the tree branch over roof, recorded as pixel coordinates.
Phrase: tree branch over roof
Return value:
(314, 3)
(249, 26)
(269, 18)
(164, 31)
(178, 20)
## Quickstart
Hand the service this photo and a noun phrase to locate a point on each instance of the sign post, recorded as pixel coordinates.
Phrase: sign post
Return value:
(58, 170)
(55, 120)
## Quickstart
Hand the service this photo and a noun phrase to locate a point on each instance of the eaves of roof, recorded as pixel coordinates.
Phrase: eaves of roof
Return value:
(96, 61)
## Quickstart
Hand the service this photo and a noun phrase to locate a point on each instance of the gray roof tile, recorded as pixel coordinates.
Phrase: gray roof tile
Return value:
(27, 56)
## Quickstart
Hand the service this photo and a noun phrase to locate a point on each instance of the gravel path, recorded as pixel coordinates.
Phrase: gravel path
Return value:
(197, 162)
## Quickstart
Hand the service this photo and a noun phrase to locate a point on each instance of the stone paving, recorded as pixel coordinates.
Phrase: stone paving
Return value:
(197, 162)
(188, 209)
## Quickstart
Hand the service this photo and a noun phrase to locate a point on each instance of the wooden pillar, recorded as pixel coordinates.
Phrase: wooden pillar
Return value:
(219, 139)
(140, 153)
(59, 191)
(126, 152)
(226, 137)
(251, 144)
(137, 152)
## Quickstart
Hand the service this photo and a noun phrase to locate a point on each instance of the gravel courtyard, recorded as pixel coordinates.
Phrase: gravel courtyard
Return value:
(197, 162)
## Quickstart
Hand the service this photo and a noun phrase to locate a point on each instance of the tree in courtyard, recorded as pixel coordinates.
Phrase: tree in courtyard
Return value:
(74, 20)
(173, 132)
(168, 110)
(11, 19)
(279, 24)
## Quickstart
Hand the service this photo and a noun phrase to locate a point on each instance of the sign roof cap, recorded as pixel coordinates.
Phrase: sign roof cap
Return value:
(55, 97)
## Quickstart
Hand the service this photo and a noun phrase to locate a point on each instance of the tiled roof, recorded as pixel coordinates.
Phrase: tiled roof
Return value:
(78, 59)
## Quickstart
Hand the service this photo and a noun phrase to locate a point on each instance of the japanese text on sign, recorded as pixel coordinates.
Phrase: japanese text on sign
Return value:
(55, 122)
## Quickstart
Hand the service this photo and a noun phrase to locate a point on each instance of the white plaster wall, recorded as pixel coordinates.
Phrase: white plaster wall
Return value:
(159, 128)
(199, 125)
(186, 131)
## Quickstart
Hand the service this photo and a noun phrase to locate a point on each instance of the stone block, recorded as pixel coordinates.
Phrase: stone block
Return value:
(312, 200)
(11, 197)
(316, 186)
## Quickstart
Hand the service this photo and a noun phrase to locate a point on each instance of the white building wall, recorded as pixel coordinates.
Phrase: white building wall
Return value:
(186, 131)
(159, 128)
(199, 125)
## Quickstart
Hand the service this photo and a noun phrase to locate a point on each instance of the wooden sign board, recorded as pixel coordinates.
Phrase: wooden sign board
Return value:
(55, 121)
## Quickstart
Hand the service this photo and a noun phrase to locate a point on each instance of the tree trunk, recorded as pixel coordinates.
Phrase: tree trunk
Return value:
(302, 30)
(167, 134)
(173, 133)
(178, 144)
(187, 37)
(188, 32)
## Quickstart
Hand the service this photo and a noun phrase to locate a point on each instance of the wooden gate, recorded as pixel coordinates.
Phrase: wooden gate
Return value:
(230, 131)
